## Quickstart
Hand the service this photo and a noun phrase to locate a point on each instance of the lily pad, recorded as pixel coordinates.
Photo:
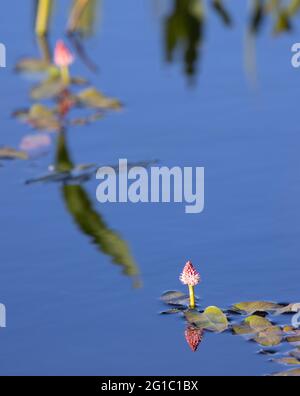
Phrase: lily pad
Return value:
(289, 373)
(291, 308)
(31, 65)
(295, 353)
(93, 98)
(172, 311)
(212, 319)
(9, 153)
(87, 120)
(52, 87)
(289, 361)
(261, 330)
(267, 352)
(257, 323)
(175, 298)
(294, 339)
(256, 306)
(47, 89)
(271, 336)
(252, 325)
(40, 117)
(288, 329)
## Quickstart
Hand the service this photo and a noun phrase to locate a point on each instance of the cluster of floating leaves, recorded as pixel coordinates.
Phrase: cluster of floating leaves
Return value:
(49, 119)
(53, 106)
(255, 321)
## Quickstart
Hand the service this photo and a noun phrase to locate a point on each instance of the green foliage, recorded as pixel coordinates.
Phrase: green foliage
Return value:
(212, 319)
(90, 221)
(93, 98)
(175, 298)
(246, 319)
(8, 153)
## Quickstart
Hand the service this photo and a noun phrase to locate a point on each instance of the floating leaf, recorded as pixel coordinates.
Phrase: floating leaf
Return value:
(47, 89)
(175, 298)
(242, 329)
(263, 331)
(271, 336)
(172, 311)
(31, 65)
(291, 308)
(295, 353)
(87, 120)
(257, 323)
(289, 373)
(53, 177)
(78, 81)
(90, 97)
(194, 317)
(252, 325)
(266, 333)
(267, 352)
(52, 87)
(289, 361)
(288, 329)
(256, 306)
(40, 117)
(11, 153)
(294, 339)
(212, 319)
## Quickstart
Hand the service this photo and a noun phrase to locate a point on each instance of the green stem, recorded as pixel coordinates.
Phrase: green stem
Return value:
(192, 297)
(44, 48)
(43, 16)
(65, 75)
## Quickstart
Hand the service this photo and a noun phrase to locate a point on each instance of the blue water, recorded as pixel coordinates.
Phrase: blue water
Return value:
(69, 309)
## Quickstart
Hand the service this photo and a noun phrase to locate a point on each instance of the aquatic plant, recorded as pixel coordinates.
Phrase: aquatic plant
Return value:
(43, 16)
(185, 26)
(63, 58)
(82, 17)
(60, 90)
(191, 278)
(247, 319)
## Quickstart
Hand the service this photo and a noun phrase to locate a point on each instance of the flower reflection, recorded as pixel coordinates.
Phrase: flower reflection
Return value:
(35, 144)
(57, 87)
(194, 337)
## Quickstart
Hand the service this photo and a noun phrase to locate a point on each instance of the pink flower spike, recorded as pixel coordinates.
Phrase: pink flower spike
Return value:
(189, 275)
(62, 55)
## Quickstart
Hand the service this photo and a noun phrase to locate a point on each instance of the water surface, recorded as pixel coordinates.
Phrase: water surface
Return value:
(69, 309)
